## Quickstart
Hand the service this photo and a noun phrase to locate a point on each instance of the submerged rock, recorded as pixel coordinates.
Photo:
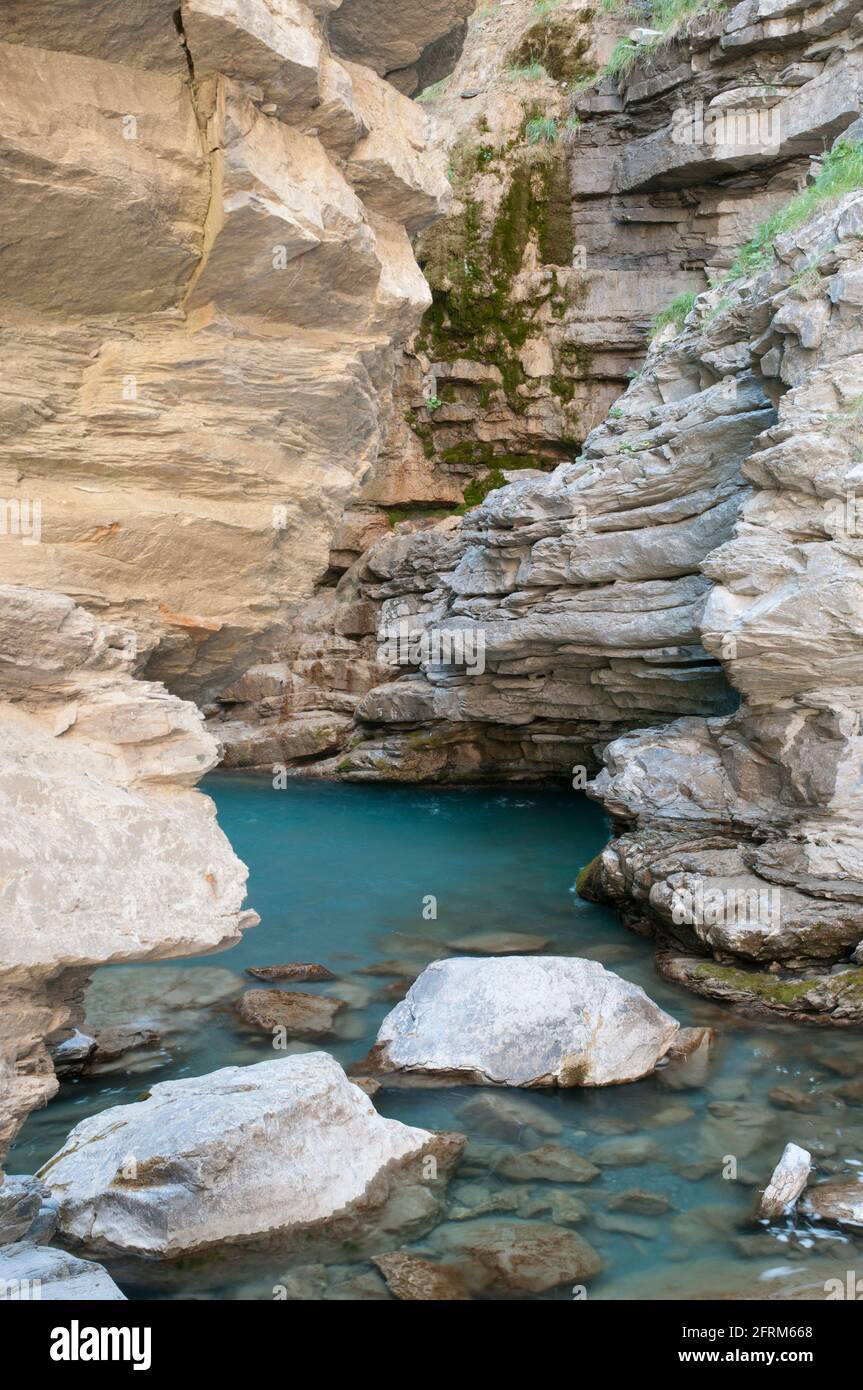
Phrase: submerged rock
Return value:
(514, 1021)
(790, 1176)
(300, 1015)
(499, 943)
(549, 1163)
(413, 1279)
(506, 1116)
(839, 1201)
(507, 1259)
(41, 1273)
(246, 1154)
(299, 971)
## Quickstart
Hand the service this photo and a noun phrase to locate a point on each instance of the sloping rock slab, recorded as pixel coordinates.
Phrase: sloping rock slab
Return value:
(524, 1021)
(41, 1273)
(245, 1155)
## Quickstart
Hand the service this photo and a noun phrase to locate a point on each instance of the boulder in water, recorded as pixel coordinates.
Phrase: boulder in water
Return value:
(524, 1021)
(244, 1155)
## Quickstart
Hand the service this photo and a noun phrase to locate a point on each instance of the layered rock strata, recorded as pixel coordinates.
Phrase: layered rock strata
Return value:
(206, 269)
(585, 582)
(107, 851)
(745, 846)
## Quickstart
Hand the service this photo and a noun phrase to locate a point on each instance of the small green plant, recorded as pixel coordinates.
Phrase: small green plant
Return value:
(544, 7)
(433, 403)
(849, 416)
(615, 413)
(674, 313)
(541, 130)
(581, 84)
(530, 73)
(573, 123)
(623, 55)
(626, 449)
(841, 172)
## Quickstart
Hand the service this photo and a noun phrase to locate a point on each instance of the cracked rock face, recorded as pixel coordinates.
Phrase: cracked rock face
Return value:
(94, 765)
(244, 1154)
(206, 271)
(516, 1021)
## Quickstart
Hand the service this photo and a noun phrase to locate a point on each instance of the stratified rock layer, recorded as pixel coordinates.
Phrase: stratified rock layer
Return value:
(745, 831)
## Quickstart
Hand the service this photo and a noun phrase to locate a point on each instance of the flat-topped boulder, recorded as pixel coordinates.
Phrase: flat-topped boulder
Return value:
(524, 1021)
(244, 1156)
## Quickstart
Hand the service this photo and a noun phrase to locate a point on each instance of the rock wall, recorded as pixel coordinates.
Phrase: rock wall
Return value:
(107, 853)
(744, 853)
(206, 269)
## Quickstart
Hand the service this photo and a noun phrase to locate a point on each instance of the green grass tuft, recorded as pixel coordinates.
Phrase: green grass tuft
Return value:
(841, 172)
(531, 73)
(541, 130)
(675, 313)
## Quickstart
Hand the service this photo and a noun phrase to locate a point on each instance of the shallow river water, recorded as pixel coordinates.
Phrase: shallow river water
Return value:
(339, 875)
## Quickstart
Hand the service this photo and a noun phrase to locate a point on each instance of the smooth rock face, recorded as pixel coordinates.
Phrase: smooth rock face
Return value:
(242, 1155)
(93, 765)
(524, 1021)
(41, 1273)
(790, 1176)
(199, 375)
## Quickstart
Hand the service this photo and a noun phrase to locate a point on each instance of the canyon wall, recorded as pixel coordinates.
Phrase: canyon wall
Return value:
(700, 551)
(206, 274)
(206, 271)
(577, 549)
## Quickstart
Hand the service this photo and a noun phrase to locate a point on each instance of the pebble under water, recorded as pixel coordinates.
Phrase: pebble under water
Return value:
(339, 875)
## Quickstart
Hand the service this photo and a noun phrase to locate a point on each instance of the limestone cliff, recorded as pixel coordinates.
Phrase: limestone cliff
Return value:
(206, 268)
(205, 274)
(585, 581)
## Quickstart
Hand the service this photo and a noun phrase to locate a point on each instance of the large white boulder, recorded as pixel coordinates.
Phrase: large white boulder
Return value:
(524, 1021)
(239, 1156)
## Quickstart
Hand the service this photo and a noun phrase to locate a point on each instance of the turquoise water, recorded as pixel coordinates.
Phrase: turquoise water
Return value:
(340, 875)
